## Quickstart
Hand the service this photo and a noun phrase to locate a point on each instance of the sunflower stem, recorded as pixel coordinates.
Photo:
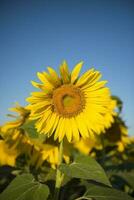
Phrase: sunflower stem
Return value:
(59, 174)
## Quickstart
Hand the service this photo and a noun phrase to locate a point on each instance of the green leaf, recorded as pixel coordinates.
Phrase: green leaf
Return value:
(87, 168)
(29, 127)
(124, 170)
(129, 178)
(24, 187)
(47, 174)
(98, 192)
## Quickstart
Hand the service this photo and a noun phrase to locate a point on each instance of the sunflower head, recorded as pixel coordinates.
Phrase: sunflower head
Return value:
(117, 134)
(116, 131)
(70, 105)
(20, 119)
(12, 133)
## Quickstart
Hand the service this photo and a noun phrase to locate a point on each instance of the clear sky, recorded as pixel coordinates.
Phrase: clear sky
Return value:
(38, 33)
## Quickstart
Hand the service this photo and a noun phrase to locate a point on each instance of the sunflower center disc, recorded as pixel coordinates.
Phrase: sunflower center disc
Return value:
(68, 100)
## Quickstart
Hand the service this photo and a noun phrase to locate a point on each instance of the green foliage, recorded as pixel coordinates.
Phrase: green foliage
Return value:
(87, 181)
(29, 127)
(6, 176)
(100, 192)
(122, 179)
(87, 168)
(24, 187)
(129, 178)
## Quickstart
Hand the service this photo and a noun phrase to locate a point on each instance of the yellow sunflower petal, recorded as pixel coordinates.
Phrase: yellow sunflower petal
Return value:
(56, 155)
(85, 77)
(95, 86)
(68, 127)
(75, 130)
(89, 80)
(35, 84)
(76, 71)
(54, 125)
(81, 126)
(39, 94)
(54, 77)
(10, 125)
(60, 131)
(64, 71)
(45, 81)
(40, 124)
(50, 123)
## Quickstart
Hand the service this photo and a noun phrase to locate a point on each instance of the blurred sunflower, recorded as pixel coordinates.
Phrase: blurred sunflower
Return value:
(108, 118)
(131, 139)
(70, 105)
(48, 151)
(86, 146)
(20, 119)
(7, 155)
(117, 134)
(36, 150)
(11, 131)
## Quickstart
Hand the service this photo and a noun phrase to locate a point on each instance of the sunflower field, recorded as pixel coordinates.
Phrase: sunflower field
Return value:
(69, 142)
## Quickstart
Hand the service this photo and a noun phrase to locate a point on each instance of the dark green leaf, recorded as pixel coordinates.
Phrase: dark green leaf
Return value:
(129, 178)
(87, 168)
(98, 192)
(24, 187)
(124, 170)
(123, 167)
(47, 174)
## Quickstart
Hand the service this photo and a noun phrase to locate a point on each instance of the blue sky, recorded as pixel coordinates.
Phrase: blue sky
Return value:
(35, 34)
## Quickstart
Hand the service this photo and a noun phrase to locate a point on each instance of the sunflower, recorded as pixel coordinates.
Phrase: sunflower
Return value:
(70, 105)
(110, 116)
(50, 153)
(86, 146)
(117, 135)
(131, 139)
(11, 131)
(13, 135)
(20, 119)
(7, 155)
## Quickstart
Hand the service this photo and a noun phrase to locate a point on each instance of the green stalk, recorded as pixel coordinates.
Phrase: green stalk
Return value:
(59, 175)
